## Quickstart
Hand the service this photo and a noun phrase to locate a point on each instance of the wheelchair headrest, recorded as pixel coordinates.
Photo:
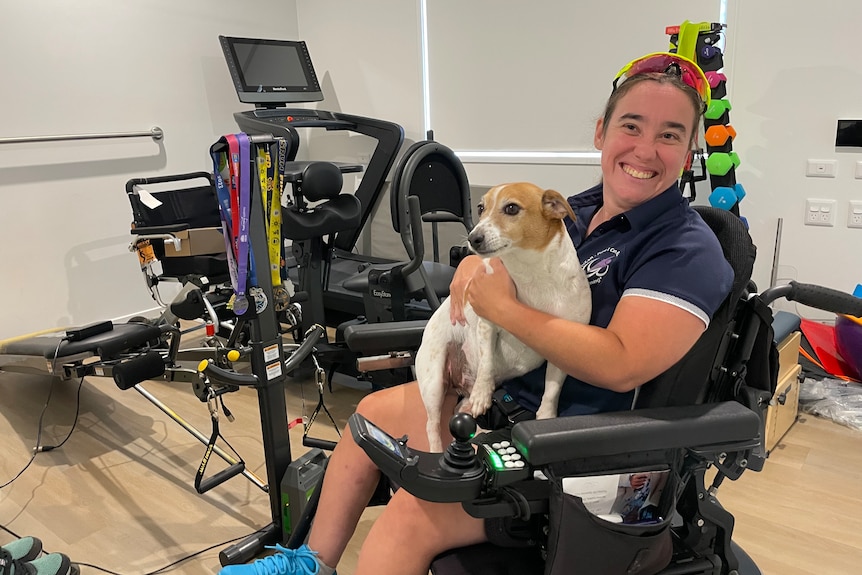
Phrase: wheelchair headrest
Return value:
(321, 181)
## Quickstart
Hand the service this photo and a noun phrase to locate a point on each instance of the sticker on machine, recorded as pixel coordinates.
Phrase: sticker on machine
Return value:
(273, 370)
(270, 353)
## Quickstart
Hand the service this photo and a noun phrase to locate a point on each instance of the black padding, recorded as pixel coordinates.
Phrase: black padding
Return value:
(214, 266)
(338, 214)
(321, 181)
(197, 207)
(434, 174)
(192, 306)
(618, 433)
(124, 336)
(688, 381)
(131, 372)
(372, 338)
(439, 275)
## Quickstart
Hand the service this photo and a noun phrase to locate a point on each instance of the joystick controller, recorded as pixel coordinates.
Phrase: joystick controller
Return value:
(460, 456)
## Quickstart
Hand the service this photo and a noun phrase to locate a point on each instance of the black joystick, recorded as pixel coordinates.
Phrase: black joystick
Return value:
(460, 455)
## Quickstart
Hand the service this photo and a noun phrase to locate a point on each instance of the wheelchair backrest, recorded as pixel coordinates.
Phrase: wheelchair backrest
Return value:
(689, 381)
(196, 206)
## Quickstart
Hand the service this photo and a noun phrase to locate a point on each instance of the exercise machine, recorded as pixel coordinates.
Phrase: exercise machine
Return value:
(272, 74)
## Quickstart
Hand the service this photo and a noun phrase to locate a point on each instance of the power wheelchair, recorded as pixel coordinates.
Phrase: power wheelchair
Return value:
(705, 413)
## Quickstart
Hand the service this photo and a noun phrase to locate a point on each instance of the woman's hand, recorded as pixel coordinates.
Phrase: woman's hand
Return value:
(458, 287)
(492, 292)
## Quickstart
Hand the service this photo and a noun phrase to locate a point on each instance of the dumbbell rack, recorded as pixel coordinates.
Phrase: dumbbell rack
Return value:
(698, 42)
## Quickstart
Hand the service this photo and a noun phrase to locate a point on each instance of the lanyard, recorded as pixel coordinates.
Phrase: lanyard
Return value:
(240, 188)
(220, 162)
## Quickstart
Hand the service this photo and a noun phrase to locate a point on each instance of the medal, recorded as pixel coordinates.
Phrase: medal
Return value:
(259, 297)
(240, 304)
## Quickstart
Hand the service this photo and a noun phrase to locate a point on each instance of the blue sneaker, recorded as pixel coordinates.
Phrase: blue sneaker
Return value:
(302, 561)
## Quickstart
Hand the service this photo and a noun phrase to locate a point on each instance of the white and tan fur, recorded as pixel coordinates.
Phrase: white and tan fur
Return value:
(521, 224)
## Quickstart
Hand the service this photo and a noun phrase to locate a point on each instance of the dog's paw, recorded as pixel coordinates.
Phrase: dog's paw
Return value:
(479, 405)
(546, 413)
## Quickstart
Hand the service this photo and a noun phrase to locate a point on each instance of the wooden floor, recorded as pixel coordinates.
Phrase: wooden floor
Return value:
(119, 494)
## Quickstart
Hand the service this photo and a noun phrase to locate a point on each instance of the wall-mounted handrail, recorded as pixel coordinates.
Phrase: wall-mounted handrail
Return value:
(155, 133)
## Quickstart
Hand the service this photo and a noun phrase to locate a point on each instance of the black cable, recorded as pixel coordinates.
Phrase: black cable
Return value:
(44, 448)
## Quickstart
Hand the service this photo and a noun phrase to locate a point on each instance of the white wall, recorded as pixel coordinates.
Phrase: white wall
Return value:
(100, 66)
(793, 74)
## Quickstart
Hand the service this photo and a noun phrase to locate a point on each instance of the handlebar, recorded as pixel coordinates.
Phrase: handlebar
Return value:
(815, 296)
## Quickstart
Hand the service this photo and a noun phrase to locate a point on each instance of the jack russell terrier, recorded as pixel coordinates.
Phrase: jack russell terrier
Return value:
(521, 224)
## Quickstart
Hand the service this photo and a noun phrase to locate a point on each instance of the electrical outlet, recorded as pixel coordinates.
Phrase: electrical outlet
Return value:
(819, 212)
(854, 214)
(821, 168)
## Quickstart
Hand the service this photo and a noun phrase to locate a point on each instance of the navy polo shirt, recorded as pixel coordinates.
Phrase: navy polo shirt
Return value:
(661, 249)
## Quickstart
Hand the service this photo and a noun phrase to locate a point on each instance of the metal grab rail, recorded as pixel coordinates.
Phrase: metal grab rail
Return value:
(155, 133)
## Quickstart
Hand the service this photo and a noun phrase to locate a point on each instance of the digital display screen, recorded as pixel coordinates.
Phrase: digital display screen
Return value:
(384, 439)
(267, 67)
(271, 71)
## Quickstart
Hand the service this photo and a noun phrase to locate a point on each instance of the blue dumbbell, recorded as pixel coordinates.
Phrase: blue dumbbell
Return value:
(723, 198)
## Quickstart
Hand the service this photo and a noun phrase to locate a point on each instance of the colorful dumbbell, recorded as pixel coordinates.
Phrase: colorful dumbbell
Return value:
(717, 135)
(717, 108)
(725, 197)
(720, 163)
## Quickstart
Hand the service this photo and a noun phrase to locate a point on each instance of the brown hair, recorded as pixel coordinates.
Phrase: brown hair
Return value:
(626, 87)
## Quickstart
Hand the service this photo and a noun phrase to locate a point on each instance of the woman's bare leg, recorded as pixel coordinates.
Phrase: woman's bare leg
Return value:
(351, 477)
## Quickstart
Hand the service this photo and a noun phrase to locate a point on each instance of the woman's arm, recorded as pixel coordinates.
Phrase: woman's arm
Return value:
(645, 337)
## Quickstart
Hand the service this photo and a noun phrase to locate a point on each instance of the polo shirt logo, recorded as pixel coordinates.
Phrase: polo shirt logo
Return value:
(597, 266)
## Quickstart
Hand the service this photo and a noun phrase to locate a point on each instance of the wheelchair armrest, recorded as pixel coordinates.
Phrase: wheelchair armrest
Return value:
(549, 441)
(377, 338)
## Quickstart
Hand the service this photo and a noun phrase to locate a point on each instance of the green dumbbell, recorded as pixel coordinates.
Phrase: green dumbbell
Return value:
(716, 109)
(719, 163)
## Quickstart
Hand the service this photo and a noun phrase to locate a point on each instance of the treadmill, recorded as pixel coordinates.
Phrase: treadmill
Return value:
(271, 74)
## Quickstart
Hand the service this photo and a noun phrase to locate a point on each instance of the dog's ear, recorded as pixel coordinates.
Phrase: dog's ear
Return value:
(555, 206)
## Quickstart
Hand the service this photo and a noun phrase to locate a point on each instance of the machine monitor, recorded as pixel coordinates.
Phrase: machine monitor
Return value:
(271, 72)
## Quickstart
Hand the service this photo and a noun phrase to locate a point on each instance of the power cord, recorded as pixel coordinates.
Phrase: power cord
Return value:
(160, 569)
(44, 448)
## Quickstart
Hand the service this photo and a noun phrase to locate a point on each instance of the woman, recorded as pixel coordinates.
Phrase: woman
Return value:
(656, 272)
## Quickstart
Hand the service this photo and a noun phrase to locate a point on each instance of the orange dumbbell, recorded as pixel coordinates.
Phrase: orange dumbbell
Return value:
(717, 135)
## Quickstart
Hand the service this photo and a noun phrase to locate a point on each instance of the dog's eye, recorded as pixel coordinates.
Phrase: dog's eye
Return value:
(480, 208)
(511, 209)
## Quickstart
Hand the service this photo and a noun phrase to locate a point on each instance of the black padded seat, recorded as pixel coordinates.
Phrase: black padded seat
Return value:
(439, 275)
(320, 182)
(122, 337)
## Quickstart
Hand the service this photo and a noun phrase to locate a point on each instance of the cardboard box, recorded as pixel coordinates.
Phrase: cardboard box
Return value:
(784, 407)
(197, 242)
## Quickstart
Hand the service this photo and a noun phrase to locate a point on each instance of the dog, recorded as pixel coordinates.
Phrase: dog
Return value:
(522, 224)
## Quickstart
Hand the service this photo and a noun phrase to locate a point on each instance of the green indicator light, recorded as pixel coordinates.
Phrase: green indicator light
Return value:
(496, 461)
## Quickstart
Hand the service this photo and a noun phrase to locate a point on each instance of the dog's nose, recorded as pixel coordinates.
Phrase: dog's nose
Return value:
(476, 239)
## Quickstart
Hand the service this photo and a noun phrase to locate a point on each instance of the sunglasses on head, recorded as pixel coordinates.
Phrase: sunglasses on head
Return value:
(666, 63)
